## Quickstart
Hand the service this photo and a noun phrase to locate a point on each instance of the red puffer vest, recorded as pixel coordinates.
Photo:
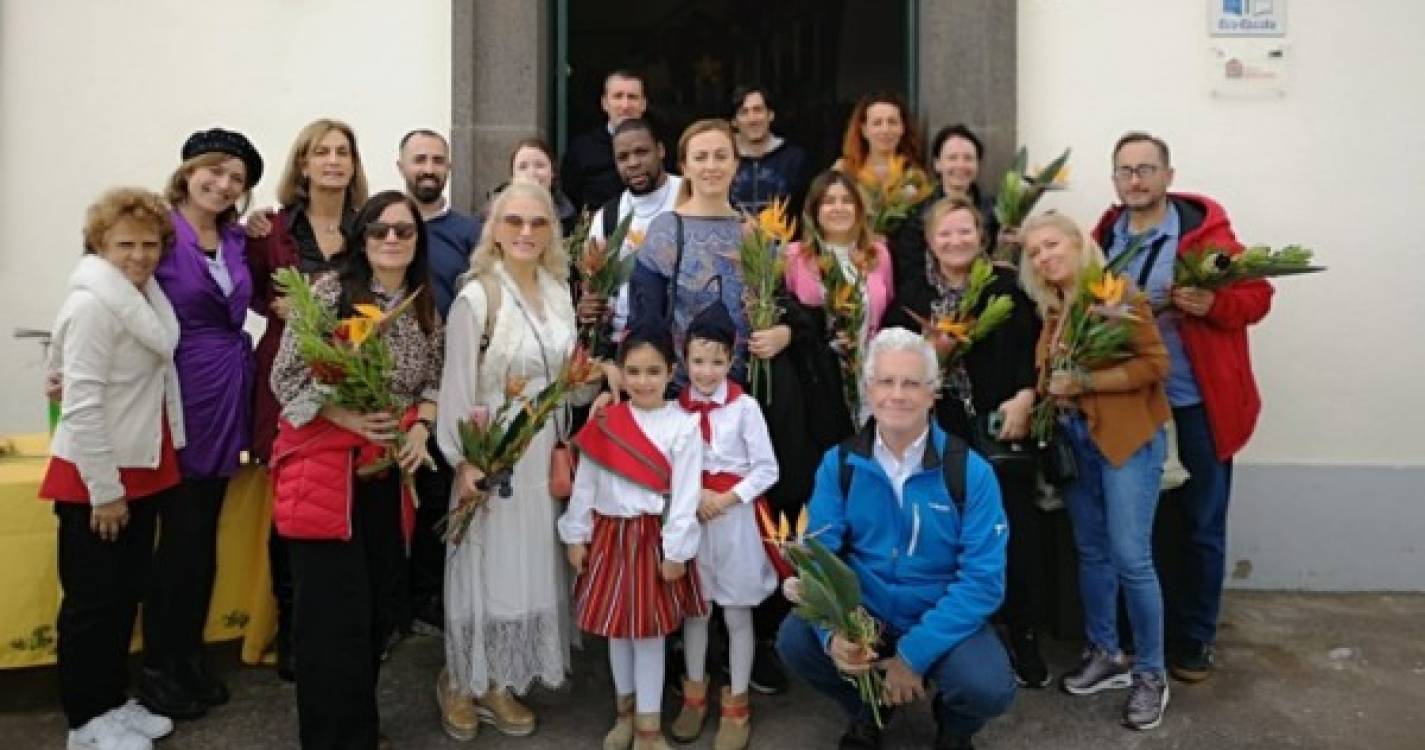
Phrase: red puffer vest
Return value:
(312, 470)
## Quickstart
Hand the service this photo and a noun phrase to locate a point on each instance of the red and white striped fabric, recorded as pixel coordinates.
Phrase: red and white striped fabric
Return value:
(622, 594)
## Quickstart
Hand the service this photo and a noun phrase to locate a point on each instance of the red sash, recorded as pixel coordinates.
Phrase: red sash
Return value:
(612, 439)
(704, 408)
(721, 481)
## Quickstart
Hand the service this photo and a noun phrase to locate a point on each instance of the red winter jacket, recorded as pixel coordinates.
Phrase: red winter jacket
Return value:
(312, 471)
(1216, 343)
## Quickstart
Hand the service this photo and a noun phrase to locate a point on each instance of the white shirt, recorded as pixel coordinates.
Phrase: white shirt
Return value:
(596, 489)
(113, 346)
(644, 208)
(740, 443)
(900, 469)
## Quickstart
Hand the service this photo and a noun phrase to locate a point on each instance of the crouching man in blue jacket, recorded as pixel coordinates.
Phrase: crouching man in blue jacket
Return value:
(930, 559)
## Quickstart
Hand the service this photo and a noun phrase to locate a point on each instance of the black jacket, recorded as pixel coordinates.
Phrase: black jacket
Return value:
(779, 173)
(908, 246)
(588, 175)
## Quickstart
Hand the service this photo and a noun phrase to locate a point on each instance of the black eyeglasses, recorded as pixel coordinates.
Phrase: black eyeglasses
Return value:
(1142, 172)
(518, 223)
(377, 230)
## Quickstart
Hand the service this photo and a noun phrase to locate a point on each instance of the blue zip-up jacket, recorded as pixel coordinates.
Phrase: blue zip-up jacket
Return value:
(929, 575)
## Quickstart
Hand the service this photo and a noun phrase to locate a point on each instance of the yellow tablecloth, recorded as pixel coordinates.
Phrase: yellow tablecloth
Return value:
(242, 604)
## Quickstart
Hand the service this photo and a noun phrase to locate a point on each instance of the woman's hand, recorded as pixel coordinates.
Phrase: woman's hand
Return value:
(769, 342)
(259, 223)
(414, 453)
(842, 342)
(614, 378)
(109, 519)
(577, 554)
(1016, 415)
(672, 571)
(592, 308)
(467, 480)
(280, 307)
(1065, 384)
(378, 427)
(850, 658)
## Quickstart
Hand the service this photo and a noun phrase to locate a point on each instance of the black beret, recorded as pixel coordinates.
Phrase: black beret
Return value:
(227, 142)
(713, 323)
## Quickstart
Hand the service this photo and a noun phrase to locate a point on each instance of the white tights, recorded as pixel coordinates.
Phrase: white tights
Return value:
(637, 664)
(740, 643)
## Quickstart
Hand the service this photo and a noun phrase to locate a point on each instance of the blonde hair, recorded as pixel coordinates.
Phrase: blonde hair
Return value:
(293, 187)
(143, 206)
(709, 125)
(554, 259)
(948, 205)
(1046, 296)
(177, 190)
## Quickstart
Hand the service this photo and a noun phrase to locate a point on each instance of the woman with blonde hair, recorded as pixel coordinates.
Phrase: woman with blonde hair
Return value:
(507, 621)
(323, 184)
(1112, 415)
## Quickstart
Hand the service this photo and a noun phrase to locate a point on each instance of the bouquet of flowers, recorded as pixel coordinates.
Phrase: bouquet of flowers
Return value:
(889, 201)
(349, 359)
(953, 332)
(845, 303)
(493, 443)
(763, 263)
(1213, 268)
(1097, 328)
(602, 271)
(1019, 192)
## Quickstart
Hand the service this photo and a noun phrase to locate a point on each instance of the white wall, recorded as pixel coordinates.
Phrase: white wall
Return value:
(1336, 165)
(96, 93)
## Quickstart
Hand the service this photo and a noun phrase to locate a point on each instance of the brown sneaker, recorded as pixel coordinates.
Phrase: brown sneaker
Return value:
(498, 708)
(457, 711)
(648, 732)
(621, 736)
(689, 723)
(734, 726)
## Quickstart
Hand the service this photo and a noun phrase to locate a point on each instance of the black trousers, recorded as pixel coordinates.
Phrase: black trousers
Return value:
(185, 565)
(422, 587)
(1028, 555)
(103, 583)
(343, 591)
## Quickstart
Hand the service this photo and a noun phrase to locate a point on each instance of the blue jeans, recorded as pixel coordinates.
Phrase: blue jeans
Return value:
(973, 681)
(1194, 602)
(1112, 510)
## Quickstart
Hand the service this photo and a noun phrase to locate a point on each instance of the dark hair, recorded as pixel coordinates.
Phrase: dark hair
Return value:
(542, 145)
(862, 248)
(1138, 136)
(632, 124)
(740, 94)
(657, 338)
(427, 132)
(356, 273)
(626, 74)
(958, 130)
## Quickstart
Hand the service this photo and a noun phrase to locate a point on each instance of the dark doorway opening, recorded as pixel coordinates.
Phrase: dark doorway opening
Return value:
(816, 56)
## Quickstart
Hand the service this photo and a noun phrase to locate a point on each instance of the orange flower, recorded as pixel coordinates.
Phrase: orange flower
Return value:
(950, 325)
(774, 222)
(843, 301)
(514, 386)
(581, 367)
(1110, 289)
(359, 327)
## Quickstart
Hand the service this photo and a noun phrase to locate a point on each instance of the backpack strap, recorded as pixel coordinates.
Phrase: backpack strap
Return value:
(610, 216)
(677, 266)
(492, 306)
(954, 462)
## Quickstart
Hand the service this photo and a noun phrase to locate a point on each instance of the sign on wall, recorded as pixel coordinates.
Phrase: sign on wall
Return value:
(1246, 18)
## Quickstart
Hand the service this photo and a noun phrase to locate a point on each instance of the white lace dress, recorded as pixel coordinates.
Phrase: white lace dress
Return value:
(507, 612)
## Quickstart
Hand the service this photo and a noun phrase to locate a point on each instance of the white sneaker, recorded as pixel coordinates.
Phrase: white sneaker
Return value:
(107, 732)
(143, 721)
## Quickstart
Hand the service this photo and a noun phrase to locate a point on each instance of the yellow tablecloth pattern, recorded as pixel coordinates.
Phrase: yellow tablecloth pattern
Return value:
(242, 604)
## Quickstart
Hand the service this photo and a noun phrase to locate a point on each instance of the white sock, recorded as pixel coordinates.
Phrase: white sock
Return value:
(695, 647)
(741, 642)
(648, 674)
(621, 664)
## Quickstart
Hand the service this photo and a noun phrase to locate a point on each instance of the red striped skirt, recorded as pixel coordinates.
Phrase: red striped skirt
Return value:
(622, 594)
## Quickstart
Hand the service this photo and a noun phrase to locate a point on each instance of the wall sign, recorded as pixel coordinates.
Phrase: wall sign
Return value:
(1246, 17)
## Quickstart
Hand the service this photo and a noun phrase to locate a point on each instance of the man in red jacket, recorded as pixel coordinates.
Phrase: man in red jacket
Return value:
(1211, 388)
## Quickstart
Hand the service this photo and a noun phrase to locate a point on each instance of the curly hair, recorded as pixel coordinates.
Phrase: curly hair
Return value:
(143, 206)
(555, 258)
(176, 192)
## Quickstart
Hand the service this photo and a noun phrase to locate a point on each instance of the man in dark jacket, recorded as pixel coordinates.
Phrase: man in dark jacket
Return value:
(1210, 386)
(769, 168)
(588, 174)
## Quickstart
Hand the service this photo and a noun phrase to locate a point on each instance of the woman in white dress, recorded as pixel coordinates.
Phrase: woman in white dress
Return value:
(506, 593)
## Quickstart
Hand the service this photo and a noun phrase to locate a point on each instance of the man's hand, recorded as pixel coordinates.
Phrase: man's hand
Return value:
(1192, 300)
(902, 685)
(850, 658)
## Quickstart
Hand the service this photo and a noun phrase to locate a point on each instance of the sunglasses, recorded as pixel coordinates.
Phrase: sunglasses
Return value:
(377, 230)
(518, 223)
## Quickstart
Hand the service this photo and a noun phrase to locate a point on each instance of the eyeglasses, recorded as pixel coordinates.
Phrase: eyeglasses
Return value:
(1142, 172)
(377, 230)
(890, 384)
(517, 223)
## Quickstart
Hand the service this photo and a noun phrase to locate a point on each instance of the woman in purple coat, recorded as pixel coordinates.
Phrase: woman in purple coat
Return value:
(207, 280)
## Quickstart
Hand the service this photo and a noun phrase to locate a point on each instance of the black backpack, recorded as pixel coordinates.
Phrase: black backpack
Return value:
(953, 464)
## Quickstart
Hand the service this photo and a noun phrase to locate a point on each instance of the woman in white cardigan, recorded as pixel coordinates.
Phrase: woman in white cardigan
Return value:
(507, 616)
(113, 457)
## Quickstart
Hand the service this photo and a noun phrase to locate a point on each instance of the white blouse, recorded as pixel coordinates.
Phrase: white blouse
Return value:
(597, 489)
(740, 443)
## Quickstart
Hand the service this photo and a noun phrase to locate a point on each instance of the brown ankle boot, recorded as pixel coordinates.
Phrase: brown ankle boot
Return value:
(648, 732)
(621, 736)
(689, 723)
(500, 709)
(734, 727)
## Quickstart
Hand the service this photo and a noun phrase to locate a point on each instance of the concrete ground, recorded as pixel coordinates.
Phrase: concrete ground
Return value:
(1296, 671)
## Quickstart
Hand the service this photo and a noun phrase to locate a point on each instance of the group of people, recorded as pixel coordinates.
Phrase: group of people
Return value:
(680, 464)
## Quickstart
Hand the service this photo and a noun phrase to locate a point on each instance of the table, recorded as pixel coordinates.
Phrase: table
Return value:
(242, 604)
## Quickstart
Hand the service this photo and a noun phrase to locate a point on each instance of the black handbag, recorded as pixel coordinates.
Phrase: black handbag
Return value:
(1006, 456)
(1056, 459)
